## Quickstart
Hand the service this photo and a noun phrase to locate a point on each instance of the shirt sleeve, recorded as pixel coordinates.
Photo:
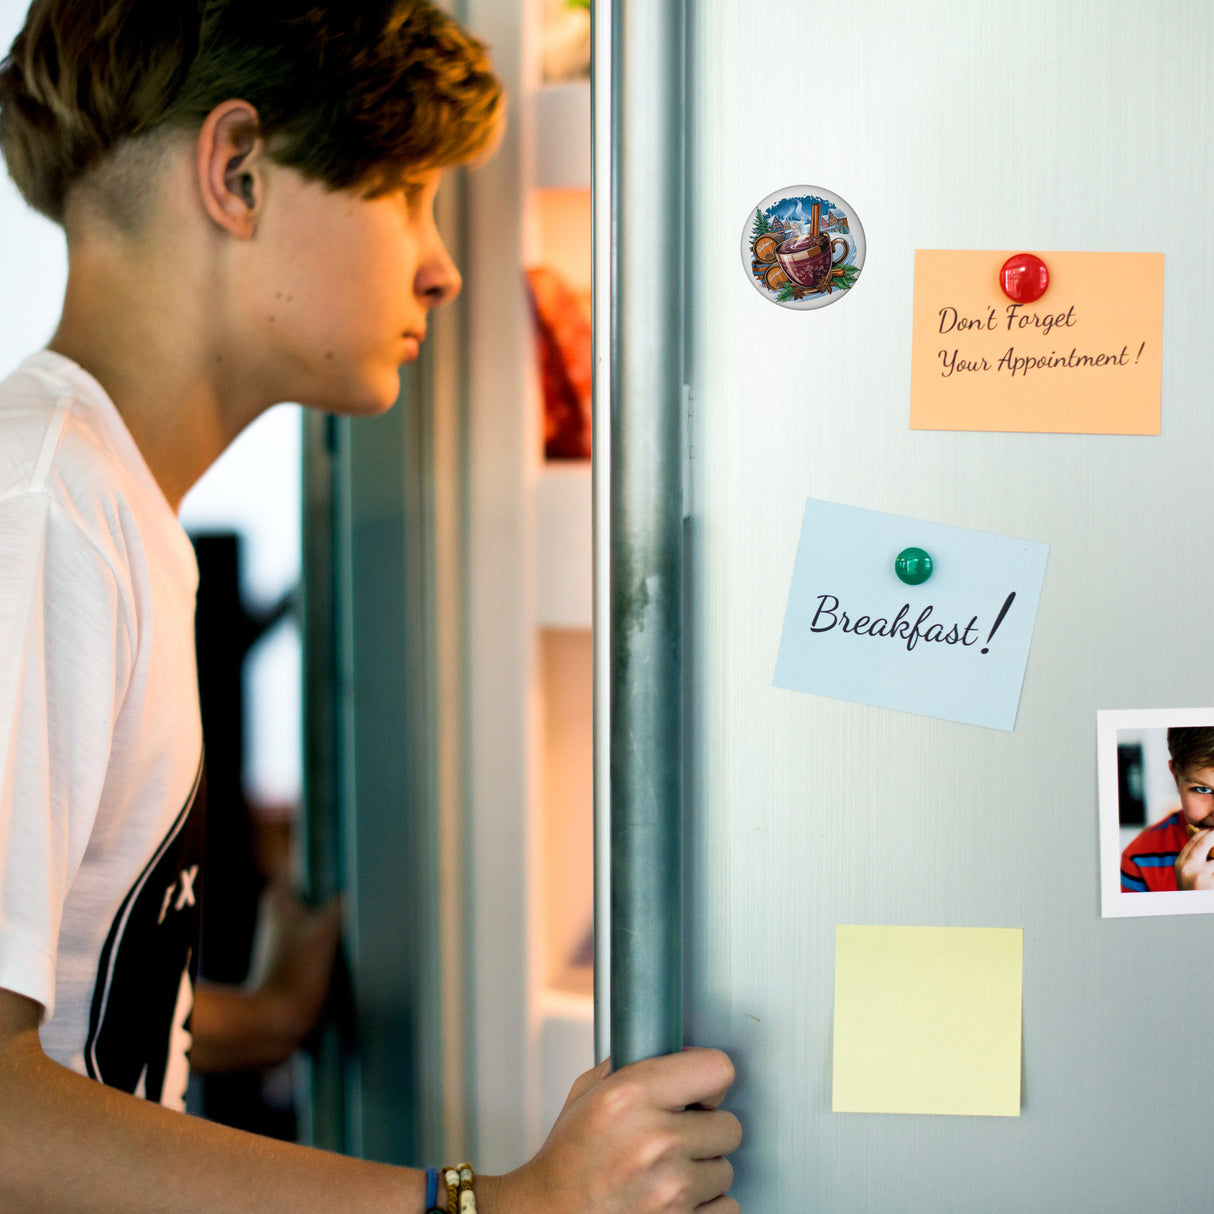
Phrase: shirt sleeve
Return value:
(1132, 880)
(64, 664)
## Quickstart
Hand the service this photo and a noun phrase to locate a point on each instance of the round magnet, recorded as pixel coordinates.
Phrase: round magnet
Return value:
(1024, 278)
(803, 247)
(913, 566)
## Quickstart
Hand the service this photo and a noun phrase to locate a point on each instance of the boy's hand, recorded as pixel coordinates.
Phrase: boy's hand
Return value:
(1194, 868)
(294, 951)
(649, 1139)
(261, 1023)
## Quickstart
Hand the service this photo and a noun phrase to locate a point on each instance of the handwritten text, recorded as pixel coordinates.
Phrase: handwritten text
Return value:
(829, 615)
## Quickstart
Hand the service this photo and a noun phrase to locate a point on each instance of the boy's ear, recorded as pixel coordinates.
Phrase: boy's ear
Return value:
(230, 167)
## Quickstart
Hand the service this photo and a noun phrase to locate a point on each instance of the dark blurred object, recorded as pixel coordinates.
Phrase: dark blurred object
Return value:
(238, 847)
(1131, 785)
(563, 337)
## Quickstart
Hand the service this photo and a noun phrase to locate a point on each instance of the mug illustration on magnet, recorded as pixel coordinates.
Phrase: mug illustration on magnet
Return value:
(803, 247)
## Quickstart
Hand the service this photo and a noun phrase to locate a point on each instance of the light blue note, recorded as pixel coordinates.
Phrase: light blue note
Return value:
(953, 647)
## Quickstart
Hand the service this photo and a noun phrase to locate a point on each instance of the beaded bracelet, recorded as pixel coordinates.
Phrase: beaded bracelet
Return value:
(460, 1198)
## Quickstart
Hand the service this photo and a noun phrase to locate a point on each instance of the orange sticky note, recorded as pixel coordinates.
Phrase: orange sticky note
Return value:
(1086, 358)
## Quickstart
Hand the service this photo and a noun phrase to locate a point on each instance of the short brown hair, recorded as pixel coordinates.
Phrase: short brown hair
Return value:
(354, 93)
(1191, 748)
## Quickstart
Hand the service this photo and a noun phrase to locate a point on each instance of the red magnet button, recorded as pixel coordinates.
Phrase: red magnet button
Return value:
(1024, 278)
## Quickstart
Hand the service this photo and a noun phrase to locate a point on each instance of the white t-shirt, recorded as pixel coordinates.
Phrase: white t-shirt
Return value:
(100, 736)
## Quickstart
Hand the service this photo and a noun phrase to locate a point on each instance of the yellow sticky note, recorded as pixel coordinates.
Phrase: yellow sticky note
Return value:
(928, 1020)
(1086, 358)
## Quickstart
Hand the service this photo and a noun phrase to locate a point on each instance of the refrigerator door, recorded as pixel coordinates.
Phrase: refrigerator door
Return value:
(947, 125)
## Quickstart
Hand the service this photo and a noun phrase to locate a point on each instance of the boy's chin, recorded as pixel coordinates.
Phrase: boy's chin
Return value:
(367, 397)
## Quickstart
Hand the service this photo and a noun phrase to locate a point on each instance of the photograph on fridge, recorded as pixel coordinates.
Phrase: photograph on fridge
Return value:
(1156, 782)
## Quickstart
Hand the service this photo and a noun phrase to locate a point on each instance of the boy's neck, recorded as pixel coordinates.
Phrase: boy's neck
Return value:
(145, 328)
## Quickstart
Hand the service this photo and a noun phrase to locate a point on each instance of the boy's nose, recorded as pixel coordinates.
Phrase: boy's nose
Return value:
(438, 277)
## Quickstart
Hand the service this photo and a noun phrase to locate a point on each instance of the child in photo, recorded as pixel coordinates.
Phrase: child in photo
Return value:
(1175, 852)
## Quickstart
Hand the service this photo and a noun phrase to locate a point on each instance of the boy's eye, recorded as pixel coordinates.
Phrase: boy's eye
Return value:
(1203, 789)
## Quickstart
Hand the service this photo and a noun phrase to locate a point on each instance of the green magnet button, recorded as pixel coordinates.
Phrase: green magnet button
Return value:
(913, 566)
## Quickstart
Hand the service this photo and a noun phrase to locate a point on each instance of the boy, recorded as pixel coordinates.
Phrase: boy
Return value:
(1174, 853)
(247, 192)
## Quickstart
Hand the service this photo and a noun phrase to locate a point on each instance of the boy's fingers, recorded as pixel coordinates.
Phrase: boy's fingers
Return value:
(722, 1205)
(713, 1178)
(713, 1134)
(698, 1076)
(1201, 842)
(586, 1081)
(1205, 842)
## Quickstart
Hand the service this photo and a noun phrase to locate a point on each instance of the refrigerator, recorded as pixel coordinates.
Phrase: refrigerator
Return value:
(813, 813)
(758, 823)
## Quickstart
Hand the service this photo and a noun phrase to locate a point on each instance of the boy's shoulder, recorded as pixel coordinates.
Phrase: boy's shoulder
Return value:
(54, 416)
(63, 444)
(48, 410)
(1165, 837)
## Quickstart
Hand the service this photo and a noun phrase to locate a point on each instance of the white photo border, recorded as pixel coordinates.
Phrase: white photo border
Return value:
(1114, 903)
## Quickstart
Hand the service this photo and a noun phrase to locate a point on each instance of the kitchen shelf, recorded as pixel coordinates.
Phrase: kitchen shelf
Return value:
(529, 773)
